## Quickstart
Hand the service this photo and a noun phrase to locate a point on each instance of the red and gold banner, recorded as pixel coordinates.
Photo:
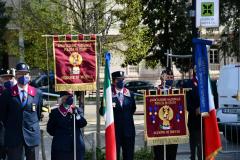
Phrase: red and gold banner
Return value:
(165, 119)
(75, 65)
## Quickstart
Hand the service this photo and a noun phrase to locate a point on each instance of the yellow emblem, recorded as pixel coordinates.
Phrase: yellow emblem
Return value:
(166, 115)
(75, 59)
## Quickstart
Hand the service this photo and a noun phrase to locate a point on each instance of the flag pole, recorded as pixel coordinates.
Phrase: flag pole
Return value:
(74, 128)
(202, 137)
(202, 151)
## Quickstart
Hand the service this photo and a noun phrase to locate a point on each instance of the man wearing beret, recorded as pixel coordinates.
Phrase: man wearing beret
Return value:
(20, 113)
(123, 109)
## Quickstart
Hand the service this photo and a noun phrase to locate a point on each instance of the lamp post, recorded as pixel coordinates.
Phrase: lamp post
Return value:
(224, 42)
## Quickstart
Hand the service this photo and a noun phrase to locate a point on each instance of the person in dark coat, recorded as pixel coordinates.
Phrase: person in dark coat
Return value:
(171, 149)
(20, 113)
(60, 126)
(194, 119)
(7, 80)
(123, 109)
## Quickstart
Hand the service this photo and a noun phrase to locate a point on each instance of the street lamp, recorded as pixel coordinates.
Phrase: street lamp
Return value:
(224, 42)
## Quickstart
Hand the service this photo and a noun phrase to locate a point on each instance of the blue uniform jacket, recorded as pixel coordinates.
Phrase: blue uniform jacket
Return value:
(123, 115)
(60, 126)
(21, 122)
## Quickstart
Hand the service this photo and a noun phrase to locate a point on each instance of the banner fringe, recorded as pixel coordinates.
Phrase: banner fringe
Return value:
(213, 154)
(167, 140)
(76, 87)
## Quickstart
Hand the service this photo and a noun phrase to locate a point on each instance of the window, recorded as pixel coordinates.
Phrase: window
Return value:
(213, 56)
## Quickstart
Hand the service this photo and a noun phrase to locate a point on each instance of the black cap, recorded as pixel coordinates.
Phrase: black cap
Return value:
(118, 74)
(64, 93)
(7, 72)
(22, 67)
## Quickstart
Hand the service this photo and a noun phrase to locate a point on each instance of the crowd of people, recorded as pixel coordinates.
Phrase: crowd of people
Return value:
(20, 112)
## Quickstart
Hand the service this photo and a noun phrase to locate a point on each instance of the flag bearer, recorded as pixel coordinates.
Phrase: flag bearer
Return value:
(60, 126)
(123, 109)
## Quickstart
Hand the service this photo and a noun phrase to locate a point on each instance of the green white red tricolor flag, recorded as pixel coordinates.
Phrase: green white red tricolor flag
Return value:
(108, 113)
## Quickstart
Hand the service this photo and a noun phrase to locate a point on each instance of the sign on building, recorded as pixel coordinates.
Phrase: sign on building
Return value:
(207, 13)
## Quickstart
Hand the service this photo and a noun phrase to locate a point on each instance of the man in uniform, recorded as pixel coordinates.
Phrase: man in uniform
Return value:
(123, 108)
(7, 80)
(194, 119)
(20, 113)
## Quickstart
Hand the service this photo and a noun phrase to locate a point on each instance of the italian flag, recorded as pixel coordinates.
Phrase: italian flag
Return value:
(212, 140)
(108, 113)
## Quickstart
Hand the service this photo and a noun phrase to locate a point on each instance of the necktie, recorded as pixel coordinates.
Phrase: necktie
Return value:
(24, 98)
(120, 98)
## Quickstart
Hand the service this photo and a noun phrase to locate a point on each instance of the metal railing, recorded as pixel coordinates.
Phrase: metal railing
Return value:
(231, 137)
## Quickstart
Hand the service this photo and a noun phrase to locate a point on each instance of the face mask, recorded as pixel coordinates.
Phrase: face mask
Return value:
(66, 105)
(8, 84)
(23, 80)
(69, 100)
(120, 84)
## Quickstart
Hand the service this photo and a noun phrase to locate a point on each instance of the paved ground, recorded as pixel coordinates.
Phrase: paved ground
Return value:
(90, 131)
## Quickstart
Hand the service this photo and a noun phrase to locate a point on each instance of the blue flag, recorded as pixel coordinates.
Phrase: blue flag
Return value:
(201, 61)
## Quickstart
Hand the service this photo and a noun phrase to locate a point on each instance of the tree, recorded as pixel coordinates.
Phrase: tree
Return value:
(37, 18)
(230, 19)
(4, 19)
(157, 26)
(133, 33)
(169, 27)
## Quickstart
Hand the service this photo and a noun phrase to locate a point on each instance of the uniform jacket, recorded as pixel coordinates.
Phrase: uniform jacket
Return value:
(60, 126)
(193, 102)
(21, 122)
(123, 115)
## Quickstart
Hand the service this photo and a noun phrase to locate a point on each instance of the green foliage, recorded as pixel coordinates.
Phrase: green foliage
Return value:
(133, 33)
(37, 18)
(169, 28)
(56, 17)
(142, 154)
(4, 19)
(150, 28)
(100, 154)
(230, 19)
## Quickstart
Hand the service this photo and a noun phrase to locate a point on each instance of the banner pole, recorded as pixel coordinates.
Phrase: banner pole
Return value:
(165, 151)
(74, 128)
(74, 35)
(202, 137)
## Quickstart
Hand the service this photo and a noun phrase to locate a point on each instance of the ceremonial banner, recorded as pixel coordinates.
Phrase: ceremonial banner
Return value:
(75, 65)
(165, 119)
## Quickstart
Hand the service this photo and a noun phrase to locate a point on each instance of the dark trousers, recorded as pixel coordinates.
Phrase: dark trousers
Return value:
(171, 152)
(195, 144)
(16, 153)
(127, 145)
(62, 156)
